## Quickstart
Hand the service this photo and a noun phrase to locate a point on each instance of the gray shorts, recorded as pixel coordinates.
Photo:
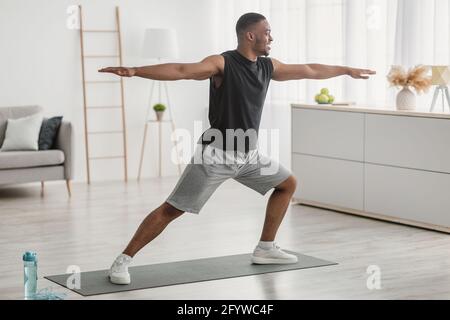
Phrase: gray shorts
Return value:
(210, 167)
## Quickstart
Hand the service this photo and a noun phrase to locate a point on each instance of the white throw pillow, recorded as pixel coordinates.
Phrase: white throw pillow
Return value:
(23, 133)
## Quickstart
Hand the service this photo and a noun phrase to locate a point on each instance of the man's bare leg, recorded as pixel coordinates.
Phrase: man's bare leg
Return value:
(148, 230)
(276, 208)
(151, 227)
(266, 252)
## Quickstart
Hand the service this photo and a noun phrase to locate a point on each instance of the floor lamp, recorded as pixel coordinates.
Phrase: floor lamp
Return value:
(159, 44)
(440, 78)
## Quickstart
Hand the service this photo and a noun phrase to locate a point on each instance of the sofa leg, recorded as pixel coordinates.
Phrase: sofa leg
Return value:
(68, 188)
(42, 188)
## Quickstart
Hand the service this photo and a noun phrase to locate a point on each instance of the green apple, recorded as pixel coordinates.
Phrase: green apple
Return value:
(316, 98)
(324, 91)
(330, 98)
(322, 99)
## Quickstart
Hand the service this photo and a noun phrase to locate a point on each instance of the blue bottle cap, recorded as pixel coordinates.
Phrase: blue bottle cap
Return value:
(29, 256)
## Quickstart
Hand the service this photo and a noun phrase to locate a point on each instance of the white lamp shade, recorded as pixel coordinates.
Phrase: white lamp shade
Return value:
(160, 43)
(440, 75)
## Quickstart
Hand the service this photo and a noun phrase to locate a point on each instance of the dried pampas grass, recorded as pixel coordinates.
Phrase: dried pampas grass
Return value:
(415, 77)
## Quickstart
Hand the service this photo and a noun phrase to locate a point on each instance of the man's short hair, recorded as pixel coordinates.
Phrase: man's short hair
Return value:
(247, 20)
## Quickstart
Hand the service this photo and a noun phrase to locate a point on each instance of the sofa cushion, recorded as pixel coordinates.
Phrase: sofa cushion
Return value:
(14, 113)
(49, 131)
(27, 159)
(23, 134)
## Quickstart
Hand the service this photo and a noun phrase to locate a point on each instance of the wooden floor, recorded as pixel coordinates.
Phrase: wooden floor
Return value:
(92, 227)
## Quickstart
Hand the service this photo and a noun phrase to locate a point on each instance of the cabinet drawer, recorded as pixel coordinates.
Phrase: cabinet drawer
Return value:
(421, 196)
(328, 133)
(329, 181)
(411, 142)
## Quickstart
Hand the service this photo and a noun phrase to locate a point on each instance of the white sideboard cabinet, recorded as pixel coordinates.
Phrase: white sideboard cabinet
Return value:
(380, 163)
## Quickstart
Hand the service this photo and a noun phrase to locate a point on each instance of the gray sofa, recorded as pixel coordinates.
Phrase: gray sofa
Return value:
(34, 166)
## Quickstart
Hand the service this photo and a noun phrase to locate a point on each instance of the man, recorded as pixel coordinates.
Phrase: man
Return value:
(239, 80)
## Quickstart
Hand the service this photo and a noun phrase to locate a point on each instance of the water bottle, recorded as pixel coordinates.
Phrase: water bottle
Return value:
(30, 274)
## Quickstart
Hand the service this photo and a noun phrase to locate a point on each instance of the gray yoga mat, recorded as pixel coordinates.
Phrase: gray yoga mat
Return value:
(180, 272)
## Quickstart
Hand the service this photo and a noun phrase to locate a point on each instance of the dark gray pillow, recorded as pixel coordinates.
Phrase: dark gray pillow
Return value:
(49, 130)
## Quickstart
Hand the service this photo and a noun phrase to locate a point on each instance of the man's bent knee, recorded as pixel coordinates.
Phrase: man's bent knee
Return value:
(288, 185)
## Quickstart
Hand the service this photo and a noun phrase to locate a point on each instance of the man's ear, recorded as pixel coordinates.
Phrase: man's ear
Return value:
(250, 36)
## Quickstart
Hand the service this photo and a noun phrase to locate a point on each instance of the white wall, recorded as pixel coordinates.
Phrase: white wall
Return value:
(40, 64)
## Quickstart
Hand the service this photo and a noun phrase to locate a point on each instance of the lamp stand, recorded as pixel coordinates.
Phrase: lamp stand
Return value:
(444, 91)
(159, 122)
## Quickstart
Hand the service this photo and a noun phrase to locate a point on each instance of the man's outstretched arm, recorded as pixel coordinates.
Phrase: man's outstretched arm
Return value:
(173, 71)
(283, 72)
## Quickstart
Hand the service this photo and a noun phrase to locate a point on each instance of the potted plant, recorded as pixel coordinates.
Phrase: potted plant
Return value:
(415, 77)
(159, 109)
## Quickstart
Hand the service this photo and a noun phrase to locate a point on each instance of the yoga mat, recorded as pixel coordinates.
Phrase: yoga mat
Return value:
(180, 272)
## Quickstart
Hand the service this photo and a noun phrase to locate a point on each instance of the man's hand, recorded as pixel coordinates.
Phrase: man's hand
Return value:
(120, 71)
(359, 73)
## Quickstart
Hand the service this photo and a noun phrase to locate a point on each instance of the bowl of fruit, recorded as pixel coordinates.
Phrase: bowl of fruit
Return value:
(324, 97)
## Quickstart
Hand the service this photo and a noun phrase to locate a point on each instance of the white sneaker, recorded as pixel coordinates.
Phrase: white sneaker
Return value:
(118, 273)
(273, 255)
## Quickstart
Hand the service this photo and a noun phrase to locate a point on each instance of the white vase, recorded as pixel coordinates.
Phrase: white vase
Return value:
(406, 99)
(159, 115)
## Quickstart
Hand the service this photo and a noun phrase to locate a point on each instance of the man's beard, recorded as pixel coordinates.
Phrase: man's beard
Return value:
(265, 52)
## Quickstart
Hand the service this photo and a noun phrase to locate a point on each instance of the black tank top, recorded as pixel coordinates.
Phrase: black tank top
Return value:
(237, 103)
